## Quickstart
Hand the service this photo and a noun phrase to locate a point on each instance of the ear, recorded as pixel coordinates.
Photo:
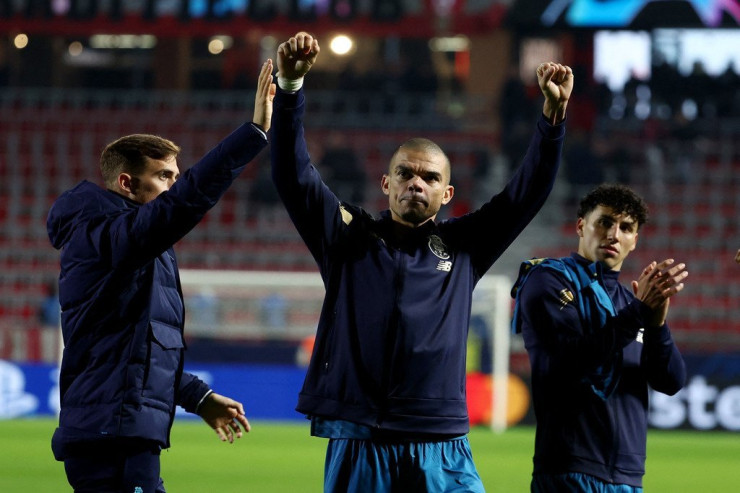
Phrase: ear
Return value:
(125, 182)
(447, 196)
(634, 245)
(385, 184)
(579, 227)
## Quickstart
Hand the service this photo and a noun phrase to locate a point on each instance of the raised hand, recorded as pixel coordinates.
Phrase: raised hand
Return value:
(296, 56)
(657, 283)
(556, 83)
(264, 96)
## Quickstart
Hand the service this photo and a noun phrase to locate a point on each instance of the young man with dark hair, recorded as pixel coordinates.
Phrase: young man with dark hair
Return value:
(594, 347)
(122, 307)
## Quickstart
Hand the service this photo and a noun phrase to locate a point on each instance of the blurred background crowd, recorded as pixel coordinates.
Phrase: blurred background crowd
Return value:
(656, 106)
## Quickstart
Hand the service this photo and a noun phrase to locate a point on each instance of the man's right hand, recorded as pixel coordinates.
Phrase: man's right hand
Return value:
(657, 283)
(556, 82)
(296, 56)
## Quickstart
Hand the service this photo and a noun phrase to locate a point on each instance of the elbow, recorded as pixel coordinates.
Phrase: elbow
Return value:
(673, 388)
(671, 384)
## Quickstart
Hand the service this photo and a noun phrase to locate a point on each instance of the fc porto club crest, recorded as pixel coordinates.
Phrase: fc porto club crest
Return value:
(438, 247)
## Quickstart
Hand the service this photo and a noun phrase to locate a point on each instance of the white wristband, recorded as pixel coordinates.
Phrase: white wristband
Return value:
(290, 85)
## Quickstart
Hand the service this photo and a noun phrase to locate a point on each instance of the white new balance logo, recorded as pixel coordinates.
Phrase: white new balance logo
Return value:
(444, 265)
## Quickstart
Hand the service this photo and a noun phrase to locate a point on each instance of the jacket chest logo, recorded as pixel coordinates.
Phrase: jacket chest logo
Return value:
(438, 248)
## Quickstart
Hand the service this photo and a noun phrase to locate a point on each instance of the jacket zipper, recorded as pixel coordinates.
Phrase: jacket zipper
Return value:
(393, 325)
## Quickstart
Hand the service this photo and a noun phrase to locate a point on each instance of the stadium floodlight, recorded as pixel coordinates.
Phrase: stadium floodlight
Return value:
(75, 48)
(341, 45)
(20, 41)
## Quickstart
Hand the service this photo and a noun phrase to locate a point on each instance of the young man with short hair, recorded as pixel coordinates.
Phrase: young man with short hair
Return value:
(594, 347)
(122, 307)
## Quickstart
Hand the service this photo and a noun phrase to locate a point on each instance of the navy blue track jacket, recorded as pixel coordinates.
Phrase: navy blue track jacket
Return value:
(122, 307)
(391, 341)
(578, 428)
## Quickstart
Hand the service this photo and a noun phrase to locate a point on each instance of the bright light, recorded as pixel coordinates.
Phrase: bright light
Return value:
(123, 41)
(341, 44)
(619, 55)
(75, 48)
(20, 41)
(217, 44)
(450, 43)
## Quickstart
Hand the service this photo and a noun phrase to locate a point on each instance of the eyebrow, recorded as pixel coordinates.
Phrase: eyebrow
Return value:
(615, 219)
(423, 173)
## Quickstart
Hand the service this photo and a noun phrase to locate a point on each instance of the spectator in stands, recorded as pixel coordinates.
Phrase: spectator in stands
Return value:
(516, 113)
(344, 173)
(49, 311)
(594, 347)
(386, 380)
(122, 320)
(262, 194)
(579, 151)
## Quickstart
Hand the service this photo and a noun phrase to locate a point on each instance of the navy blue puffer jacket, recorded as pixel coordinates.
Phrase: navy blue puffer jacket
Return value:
(122, 307)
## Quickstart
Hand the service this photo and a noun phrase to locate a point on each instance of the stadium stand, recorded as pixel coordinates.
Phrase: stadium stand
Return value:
(51, 139)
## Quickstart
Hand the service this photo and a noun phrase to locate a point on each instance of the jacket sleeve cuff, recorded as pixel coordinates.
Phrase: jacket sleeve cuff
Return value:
(193, 392)
(202, 399)
(550, 131)
(288, 100)
(630, 320)
(259, 129)
(658, 335)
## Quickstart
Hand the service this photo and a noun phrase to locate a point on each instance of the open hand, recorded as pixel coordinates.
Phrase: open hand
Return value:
(264, 96)
(224, 415)
(657, 283)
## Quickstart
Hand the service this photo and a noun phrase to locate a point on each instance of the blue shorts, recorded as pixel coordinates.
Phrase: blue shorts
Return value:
(368, 466)
(576, 482)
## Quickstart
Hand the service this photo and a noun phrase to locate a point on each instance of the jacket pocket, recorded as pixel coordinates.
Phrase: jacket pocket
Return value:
(166, 335)
(165, 351)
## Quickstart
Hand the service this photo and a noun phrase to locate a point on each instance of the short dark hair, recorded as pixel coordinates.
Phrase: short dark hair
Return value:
(129, 155)
(620, 198)
(423, 145)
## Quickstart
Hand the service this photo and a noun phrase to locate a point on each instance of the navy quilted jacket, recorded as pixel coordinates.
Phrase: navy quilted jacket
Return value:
(391, 341)
(122, 307)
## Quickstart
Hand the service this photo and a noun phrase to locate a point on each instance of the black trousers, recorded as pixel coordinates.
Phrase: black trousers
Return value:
(114, 466)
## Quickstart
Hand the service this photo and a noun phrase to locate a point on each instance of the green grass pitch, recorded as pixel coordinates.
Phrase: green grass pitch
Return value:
(282, 457)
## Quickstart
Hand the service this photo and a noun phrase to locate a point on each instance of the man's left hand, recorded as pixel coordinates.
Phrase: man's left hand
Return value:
(224, 415)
